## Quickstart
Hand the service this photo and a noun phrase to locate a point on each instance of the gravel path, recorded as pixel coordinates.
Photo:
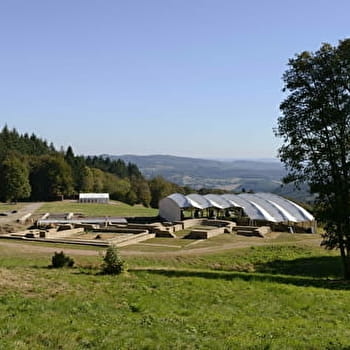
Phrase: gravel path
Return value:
(28, 208)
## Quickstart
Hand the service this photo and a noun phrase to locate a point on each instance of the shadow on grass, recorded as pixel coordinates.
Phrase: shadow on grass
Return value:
(254, 277)
(75, 270)
(319, 266)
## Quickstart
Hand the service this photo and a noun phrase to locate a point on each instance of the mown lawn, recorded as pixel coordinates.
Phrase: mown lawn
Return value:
(269, 297)
(94, 209)
(4, 207)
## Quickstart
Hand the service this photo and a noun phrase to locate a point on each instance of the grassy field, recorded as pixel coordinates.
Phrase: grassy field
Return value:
(93, 209)
(285, 295)
(9, 207)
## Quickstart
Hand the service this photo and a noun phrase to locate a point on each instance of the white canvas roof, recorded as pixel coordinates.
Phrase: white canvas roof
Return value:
(180, 200)
(257, 206)
(198, 201)
(253, 210)
(218, 201)
(299, 213)
(94, 195)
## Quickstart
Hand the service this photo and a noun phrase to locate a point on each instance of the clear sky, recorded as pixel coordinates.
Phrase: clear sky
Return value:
(185, 77)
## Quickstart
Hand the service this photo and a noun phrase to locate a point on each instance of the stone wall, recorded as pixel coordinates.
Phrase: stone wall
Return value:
(53, 233)
(205, 234)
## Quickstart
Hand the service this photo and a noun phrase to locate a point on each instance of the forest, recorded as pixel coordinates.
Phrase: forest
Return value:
(33, 169)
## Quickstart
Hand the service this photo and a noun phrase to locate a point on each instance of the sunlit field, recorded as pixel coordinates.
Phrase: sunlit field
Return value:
(94, 209)
(278, 296)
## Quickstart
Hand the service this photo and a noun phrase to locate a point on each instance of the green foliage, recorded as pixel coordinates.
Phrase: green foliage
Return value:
(79, 170)
(116, 167)
(12, 141)
(51, 178)
(86, 181)
(116, 187)
(54, 174)
(14, 179)
(142, 191)
(160, 188)
(112, 263)
(131, 198)
(98, 179)
(61, 260)
(316, 135)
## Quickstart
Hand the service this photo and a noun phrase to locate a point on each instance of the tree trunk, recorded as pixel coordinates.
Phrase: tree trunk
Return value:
(346, 266)
(345, 260)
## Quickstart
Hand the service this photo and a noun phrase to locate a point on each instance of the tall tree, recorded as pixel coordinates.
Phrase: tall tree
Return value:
(86, 180)
(98, 178)
(14, 179)
(160, 188)
(51, 178)
(131, 197)
(315, 128)
(142, 191)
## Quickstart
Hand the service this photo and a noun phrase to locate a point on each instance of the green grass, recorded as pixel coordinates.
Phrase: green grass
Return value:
(280, 296)
(10, 207)
(94, 209)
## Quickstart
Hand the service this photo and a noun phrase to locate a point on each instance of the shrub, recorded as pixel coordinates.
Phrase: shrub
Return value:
(112, 263)
(61, 260)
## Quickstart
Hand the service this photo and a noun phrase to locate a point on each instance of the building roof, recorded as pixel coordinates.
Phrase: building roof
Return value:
(218, 201)
(94, 195)
(180, 200)
(253, 210)
(199, 201)
(298, 212)
(257, 206)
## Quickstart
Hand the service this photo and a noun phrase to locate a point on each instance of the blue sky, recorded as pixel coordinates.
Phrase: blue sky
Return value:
(185, 77)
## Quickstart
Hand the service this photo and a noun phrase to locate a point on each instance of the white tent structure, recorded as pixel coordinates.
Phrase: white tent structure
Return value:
(170, 208)
(263, 207)
(94, 198)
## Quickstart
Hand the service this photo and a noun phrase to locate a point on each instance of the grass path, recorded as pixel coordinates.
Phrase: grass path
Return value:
(190, 249)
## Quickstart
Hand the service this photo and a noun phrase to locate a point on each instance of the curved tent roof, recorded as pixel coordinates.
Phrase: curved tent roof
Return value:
(277, 214)
(180, 200)
(252, 209)
(257, 206)
(198, 201)
(218, 201)
(298, 212)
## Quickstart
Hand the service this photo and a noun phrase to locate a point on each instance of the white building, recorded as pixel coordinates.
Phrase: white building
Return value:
(263, 207)
(94, 198)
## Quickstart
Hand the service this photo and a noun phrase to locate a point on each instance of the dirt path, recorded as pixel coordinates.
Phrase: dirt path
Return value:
(33, 248)
(159, 245)
(237, 245)
(28, 208)
(39, 249)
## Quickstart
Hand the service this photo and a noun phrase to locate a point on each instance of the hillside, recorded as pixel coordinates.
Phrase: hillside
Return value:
(231, 175)
(281, 295)
(32, 169)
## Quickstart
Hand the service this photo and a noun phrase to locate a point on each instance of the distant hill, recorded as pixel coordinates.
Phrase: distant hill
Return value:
(198, 173)
(256, 175)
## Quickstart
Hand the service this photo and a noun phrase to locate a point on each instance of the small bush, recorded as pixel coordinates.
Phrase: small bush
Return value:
(112, 263)
(61, 260)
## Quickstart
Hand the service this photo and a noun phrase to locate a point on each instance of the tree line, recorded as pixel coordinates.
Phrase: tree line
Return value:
(32, 169)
